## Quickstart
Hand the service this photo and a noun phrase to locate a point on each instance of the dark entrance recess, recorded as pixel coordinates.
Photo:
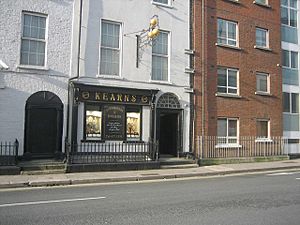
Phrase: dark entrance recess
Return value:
(43, 125)
(169, 122)
(169, 130)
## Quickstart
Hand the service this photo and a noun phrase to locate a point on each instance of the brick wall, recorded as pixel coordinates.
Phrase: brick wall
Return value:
(248, 60)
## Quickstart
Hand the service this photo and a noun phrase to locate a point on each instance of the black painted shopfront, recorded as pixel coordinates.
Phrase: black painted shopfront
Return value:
(112, 113)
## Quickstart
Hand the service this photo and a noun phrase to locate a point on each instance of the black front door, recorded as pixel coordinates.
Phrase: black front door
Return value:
(168, 133)
(42, 131)
(43, 125)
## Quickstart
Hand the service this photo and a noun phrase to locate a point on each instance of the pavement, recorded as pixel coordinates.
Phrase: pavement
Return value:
(15, 181)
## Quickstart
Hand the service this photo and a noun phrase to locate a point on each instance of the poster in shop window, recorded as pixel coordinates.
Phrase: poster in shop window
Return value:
(114, 122)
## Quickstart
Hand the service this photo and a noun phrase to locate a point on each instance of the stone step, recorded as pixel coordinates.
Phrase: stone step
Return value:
(182, 166)
(176, 161)
(43, 172)
(33, 166)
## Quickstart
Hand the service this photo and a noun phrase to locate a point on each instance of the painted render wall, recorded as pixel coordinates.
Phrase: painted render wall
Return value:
(18, 84)
(134, 16)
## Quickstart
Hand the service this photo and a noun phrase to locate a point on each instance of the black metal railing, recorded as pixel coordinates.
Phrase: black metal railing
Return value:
(122, 152)
(9, 153)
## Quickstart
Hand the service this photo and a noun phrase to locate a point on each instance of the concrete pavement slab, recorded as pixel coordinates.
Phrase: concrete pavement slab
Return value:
(14, 181)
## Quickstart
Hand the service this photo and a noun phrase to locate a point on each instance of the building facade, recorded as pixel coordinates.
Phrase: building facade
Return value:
(130, 86)
(35, 43)
(237, 69)
(290, 73)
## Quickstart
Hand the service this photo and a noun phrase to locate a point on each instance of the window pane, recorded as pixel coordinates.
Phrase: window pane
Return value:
(232, 78)
(24, 58)
(232, 128)
(133, 125)
(295, 103)
(294, 60)
(161, 1)
(284, 16)
(261, 37)
(110, 35)
(222, 127)
(93, 122)
(222, 77)
(285, 58)
(262, 129)
(284, 2)
(160, 44)
(293, 18)
(232, 30)
(262, 82)
(286, 102)
(293, 3)
(109, 62)
(221, 29)
(159, 68)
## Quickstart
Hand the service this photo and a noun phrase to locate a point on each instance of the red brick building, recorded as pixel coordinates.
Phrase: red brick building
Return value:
(237, 81)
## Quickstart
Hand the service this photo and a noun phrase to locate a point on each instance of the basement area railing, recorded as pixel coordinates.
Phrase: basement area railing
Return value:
(238, 147)
(9, 153)
(115, 152)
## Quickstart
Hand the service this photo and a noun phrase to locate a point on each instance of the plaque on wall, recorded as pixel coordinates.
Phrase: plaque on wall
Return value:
(114, 122)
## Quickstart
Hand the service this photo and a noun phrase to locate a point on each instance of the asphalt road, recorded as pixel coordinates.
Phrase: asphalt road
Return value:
(231, 200)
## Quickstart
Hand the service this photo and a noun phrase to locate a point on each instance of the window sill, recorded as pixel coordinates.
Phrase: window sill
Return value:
(162, 5)
(113, 77)
(261, 4)
(263, 93)
(228, 46)
(233, 1)
(258, 140)
(263, 48)
(160, 82)
(228, 146)
(228, 95)
(29, 67)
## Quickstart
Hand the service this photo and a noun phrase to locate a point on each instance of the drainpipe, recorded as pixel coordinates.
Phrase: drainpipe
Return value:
(70, 121)
(202, 76)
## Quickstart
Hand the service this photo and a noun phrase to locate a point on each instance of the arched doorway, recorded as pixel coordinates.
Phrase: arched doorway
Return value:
(43, 125)
(169, 124)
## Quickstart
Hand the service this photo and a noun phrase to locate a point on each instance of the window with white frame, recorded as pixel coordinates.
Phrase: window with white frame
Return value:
(160, 57)
(262, 128)
(262, 82)
(227, 32)
(290, 102)
(227, 130)
(262, 37)
(110, 48)
(290, 59)
(289, 12)
(33, 43)
(227, 80)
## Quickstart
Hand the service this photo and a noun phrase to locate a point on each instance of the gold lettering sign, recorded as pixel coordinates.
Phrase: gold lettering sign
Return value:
(97, 96)
(114, 97)
(133, 98)
(144, 99)
(85, 95)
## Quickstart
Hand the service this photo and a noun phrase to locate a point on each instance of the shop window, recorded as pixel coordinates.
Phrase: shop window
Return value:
(93, 122)
(133, 126)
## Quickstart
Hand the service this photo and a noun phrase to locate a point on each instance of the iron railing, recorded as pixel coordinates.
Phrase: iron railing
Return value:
(9, 153)
(223, 147)
(122, 152)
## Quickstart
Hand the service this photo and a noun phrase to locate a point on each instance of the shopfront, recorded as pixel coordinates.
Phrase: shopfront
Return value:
(114, 114)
